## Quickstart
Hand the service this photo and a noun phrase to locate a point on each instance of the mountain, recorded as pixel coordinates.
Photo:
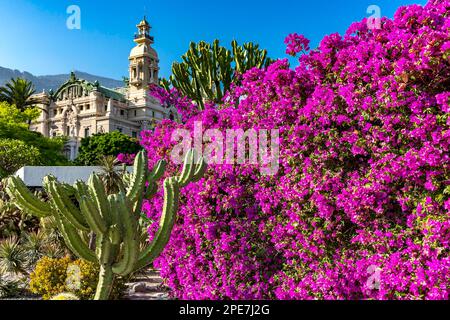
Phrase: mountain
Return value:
(55, 81)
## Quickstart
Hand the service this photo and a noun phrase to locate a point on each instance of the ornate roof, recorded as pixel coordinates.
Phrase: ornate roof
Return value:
(84, 88)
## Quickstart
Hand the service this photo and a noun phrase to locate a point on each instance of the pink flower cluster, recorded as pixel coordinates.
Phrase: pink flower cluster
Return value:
(127, 159)
(360, 208)
(295, 44)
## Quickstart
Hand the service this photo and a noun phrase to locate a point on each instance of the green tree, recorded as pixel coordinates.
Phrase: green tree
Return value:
(95, 147)
(13, 126)
(14, 154)
(19, 93)
(11, 114)
(208, 70)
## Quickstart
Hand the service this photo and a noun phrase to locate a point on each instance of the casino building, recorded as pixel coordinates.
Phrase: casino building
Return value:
(80, 108)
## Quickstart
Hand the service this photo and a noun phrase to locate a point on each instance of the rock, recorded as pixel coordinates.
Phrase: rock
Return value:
(139, 287)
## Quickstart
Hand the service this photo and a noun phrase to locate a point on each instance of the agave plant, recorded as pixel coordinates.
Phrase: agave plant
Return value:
(13, 258)
(35, 245)
(9, 287)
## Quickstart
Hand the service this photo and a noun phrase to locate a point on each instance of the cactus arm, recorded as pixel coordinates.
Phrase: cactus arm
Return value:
(98, 194)
(66, 207)
(201, 169)
(188, 168)
(74, 241)
(152, 189)
(130, 238)
(81, 190)
(193, 169)
(115, 234)
(104, 247)
(89, 209)
(162, 236)
(138, 179)
(158, 171)
(25, 200)
(92, 216)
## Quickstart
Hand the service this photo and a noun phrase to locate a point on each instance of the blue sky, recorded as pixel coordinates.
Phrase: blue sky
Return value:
(34, 36)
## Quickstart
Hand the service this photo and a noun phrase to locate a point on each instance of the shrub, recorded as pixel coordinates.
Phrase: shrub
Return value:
(93, 148)
(16, 154)
(49, 277)
(360, 206)
(12, 127)
(57, 276)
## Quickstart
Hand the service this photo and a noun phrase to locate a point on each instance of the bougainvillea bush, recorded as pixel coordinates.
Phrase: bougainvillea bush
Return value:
(360, 207)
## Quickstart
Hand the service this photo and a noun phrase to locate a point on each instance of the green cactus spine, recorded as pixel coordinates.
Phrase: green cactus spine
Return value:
(114, 219)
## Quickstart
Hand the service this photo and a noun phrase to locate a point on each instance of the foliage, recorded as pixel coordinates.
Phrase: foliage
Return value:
(35, 245)
(15, 154)
(208, 70)
(12, 127)
(9, 113)
(360, 206)
(86, 209)
(53, 277)
(18, 92)
(111, 175)
(12, 256)
(14, 222)
(93, 148)
(9, 288)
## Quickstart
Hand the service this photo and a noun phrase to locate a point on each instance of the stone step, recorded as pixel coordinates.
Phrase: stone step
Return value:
(147, 286)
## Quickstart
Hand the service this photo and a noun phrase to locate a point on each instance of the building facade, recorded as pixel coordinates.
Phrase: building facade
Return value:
(80, 108)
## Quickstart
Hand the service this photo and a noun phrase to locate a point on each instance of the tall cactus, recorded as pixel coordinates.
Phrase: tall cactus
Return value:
(84, 208)
(208, 70)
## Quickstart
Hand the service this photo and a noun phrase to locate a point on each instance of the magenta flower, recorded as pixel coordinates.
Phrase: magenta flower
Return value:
(296, 44)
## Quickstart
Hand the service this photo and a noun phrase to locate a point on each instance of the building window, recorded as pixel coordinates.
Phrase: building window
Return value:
(67, 131)
(88, 107)
(81, 108)
(135, 113)
(134, 134)
(122, 112)
(106, 108)
(120, 129)
(87, 132)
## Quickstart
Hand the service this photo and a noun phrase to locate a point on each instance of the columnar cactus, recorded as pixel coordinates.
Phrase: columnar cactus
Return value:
(208, 70)
(86, 208)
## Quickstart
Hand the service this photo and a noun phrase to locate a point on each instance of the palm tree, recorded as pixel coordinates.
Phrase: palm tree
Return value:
(18, 92)
(111, 174)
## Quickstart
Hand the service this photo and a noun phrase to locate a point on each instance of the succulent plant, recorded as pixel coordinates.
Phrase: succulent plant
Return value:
(82, 209)
(208, 70)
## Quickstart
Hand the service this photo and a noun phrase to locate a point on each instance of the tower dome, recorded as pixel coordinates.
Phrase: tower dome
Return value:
(144, 62)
